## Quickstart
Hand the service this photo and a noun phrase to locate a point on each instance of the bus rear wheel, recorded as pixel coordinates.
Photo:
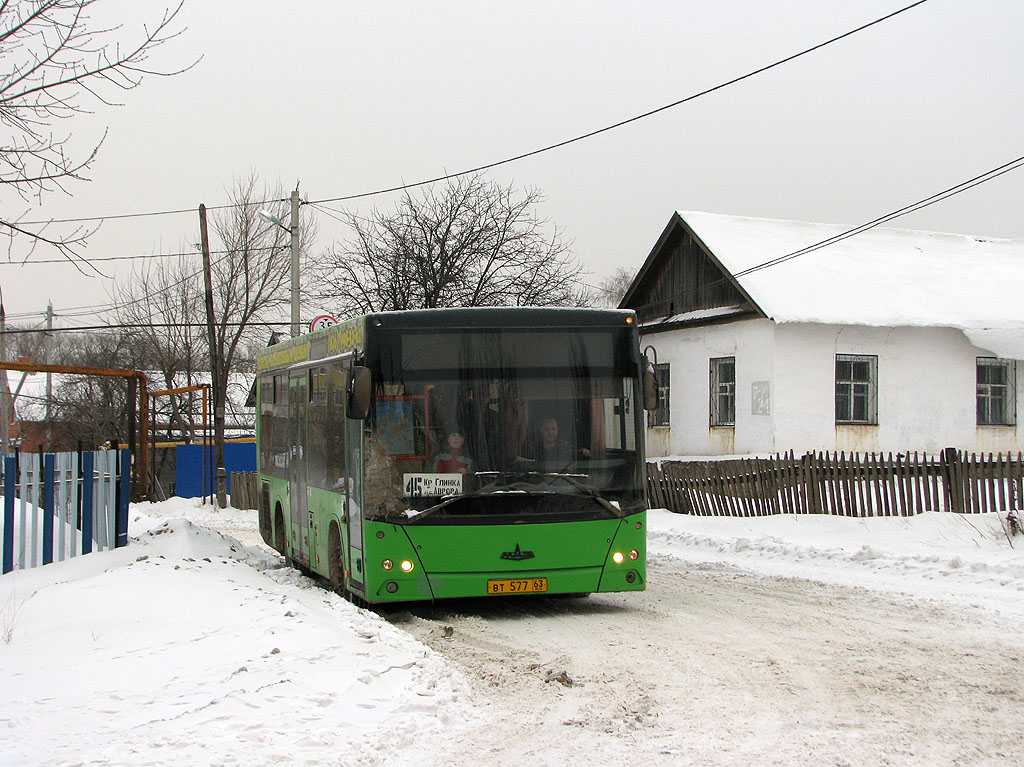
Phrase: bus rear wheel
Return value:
(334, 570)
(279, 531)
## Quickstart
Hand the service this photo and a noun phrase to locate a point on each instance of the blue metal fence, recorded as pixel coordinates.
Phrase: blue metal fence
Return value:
(189, 463)
(62, 505)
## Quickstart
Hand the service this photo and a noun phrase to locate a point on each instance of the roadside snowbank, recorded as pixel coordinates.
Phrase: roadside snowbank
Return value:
(190, 645)
(965, 559)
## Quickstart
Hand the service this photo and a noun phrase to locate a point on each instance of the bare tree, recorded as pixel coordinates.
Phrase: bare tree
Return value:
(164, 304)
(159, 308)
(474, 243)
(251, 279)
(612, 288)
(94, 409)
(55, 60)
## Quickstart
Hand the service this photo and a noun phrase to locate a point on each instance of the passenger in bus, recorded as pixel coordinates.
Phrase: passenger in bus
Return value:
(453, 460)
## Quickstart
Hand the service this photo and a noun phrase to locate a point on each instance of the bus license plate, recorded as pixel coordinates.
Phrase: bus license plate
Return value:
(517, 586)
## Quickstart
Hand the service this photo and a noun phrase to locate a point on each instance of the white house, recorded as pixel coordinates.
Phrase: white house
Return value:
(889, 340)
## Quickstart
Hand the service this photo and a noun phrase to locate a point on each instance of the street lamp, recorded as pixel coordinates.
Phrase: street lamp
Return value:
(293, 230)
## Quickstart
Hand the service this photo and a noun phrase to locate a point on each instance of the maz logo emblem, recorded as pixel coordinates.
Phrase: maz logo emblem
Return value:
(518, 554)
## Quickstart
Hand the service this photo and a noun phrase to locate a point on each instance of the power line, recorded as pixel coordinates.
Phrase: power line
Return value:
(627, 121)
(133, 257)
(171, 212)
(524, 155)
(925, 202)
(78, 311)
(945, 194)
(141, 326)
(505, 161)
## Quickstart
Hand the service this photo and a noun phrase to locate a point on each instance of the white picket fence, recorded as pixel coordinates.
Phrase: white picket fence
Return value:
(62, 505)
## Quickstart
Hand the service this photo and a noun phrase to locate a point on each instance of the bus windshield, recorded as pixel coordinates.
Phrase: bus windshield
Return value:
(466, 420)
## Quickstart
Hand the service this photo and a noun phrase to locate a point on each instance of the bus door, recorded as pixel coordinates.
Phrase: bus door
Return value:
(354, 463)
(297, 494)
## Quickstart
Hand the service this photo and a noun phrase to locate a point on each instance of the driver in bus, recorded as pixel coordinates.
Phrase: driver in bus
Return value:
(453, 460)
(554, 453)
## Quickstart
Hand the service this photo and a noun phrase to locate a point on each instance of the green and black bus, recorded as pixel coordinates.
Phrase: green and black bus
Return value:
(444, 453)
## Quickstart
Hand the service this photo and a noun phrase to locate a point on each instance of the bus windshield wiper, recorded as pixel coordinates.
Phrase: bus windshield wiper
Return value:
(495, 488)
(572, 479)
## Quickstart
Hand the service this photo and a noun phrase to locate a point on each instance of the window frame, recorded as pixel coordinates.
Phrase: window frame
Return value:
(722, 393)
(850, 385)
(660, 417)
(984, 392)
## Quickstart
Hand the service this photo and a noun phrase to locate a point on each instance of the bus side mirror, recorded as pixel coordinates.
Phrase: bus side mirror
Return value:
(650, 386)
(358, 405)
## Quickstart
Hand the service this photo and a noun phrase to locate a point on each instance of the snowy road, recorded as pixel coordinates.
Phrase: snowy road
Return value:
(781, 640)
(713, 665)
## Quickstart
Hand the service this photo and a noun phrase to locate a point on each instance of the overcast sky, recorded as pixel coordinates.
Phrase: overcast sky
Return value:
(349, 97)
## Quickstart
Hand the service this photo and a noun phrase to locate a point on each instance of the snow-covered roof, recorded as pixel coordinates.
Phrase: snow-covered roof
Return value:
(881, 277)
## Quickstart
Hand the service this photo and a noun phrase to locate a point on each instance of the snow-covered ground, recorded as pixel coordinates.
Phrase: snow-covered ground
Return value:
(781, 640)
(957, 558)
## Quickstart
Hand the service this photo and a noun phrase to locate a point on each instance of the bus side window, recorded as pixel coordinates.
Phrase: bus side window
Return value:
(280, 450)
(266, 423)
(335, 440)
(318, 430)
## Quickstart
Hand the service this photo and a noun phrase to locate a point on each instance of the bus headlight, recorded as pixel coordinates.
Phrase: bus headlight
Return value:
(633, 554)
(406, 566)
(387, 564)
(618, 557)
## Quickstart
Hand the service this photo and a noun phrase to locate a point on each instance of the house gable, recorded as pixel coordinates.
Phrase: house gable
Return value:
(683, 281)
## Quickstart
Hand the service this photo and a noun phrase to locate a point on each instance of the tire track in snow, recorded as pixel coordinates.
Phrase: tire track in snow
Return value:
(713, 665)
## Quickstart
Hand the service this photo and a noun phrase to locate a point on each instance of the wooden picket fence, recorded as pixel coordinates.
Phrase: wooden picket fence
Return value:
(245, 490)
(62, 505)
(853, 485)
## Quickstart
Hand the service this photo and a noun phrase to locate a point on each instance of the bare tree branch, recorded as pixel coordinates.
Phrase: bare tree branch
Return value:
(473, 243)
(66, 246)
(610, 291)
(54, 61)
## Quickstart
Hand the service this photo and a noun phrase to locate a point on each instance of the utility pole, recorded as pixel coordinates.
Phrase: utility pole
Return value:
(294, 231)
(215, 371)
(49, 378)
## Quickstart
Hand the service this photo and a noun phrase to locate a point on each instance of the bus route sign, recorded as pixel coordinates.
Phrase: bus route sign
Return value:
(419, 485)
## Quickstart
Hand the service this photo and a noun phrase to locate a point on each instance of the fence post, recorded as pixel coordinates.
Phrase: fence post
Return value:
(86, 497)
(48, 509)
(10, 471)
(811, 483)
(951, 478)
(124, 496)
(60, 504)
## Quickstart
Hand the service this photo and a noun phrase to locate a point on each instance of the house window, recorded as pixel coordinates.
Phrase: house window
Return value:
(723, 391)
(857, 388)
(996, 389)
(659, 416)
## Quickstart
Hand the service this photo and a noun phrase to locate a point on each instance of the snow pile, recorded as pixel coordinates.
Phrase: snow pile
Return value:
(965, 558)
(188, 647)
